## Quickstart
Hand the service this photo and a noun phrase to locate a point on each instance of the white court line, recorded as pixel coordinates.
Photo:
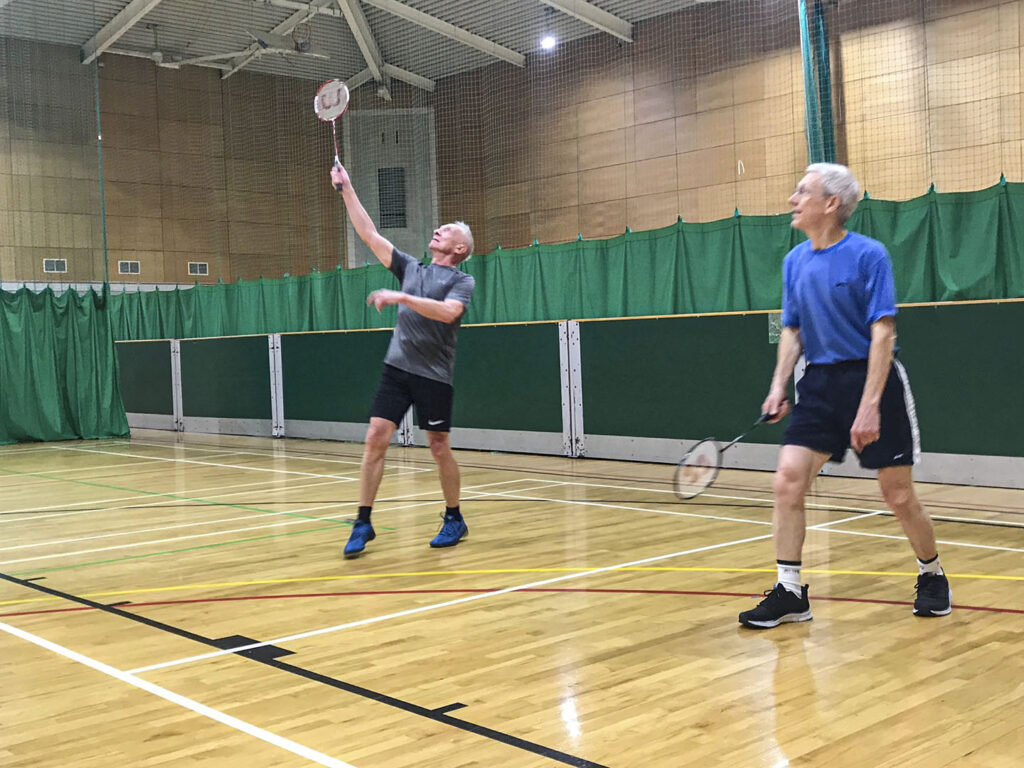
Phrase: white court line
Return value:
(446, 604)
(249, 488)
(270, 454)
(210, 464)
(944, 542)
(265, 514)
(819, 526)
(605, 505)
(278, 524)
(182, 701)
(837, 507)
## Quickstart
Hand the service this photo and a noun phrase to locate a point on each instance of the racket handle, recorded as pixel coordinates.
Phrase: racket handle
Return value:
(337, 164)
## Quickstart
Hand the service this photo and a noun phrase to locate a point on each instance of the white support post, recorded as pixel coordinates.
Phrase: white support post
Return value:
(573, 443)
(176, 405)
(405, 429)
(276, 386)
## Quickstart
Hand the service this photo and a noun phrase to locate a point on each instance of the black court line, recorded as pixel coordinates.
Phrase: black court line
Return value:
(450, 708)
(269, 659)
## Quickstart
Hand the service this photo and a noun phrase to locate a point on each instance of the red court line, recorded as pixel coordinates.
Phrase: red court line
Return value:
(371, 593)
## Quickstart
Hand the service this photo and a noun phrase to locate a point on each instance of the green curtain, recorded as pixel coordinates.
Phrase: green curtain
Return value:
(58, 368)
(944, 247)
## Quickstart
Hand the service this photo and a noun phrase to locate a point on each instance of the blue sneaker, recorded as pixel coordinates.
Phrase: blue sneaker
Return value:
(452, 532)
(361, 533)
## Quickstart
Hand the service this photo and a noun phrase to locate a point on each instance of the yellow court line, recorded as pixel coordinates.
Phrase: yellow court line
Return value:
(495, 571)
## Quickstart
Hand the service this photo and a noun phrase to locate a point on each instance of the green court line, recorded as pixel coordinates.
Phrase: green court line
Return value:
(176, 551)
(174, 496)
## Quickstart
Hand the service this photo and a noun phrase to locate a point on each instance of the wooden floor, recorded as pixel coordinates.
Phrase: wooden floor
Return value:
(588, 620)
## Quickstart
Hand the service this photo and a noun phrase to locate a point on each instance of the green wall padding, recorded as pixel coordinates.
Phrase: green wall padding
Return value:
(58, 368)
(699, 376)
(945, 247)
(145, 376)
(677, 378)
(226, 378)
(966, 368)
(506, 377)
(331, 376)
(509, 377)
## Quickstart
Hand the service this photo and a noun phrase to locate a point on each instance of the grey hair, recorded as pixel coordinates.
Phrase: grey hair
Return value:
(838, 180)
(466, 233)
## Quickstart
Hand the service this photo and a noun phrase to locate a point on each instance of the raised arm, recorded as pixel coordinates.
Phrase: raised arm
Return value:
(361, 221)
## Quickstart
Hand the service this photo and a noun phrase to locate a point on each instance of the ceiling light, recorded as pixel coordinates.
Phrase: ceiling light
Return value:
(548, 42)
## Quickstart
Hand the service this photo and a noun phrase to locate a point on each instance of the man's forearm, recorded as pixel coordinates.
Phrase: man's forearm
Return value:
(883, 342)
(432, 309)
(790, 348)
(361, 221)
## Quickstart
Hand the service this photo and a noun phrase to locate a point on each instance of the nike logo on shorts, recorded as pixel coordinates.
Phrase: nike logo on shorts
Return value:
(432, 423)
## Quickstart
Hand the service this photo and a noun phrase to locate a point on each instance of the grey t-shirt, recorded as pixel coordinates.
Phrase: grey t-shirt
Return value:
(420, 345)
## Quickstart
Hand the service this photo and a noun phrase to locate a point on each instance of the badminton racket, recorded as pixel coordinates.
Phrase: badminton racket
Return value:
(700, 465)
(330, 103)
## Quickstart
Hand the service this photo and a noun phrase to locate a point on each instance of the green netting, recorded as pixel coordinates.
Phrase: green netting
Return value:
(58, 369)
(945, 247)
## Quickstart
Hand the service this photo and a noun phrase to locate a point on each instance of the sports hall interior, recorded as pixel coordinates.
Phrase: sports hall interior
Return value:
(187, 363)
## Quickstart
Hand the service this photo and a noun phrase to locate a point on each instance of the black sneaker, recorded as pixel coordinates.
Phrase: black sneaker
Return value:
(934, 596)
(778, 607)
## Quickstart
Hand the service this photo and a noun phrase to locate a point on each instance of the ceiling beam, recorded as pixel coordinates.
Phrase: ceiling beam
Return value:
(358, 79)
(166, 64)
(409, 77)
(304, 13)
(367, 44)
(424, 20)
(449, 30)
(595, 17)
(111, 32)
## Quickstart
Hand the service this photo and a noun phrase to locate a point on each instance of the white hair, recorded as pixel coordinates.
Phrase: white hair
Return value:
(467, 233)
(838, 180)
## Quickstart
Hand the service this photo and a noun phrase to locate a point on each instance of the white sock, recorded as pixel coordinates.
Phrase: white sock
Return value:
(789, 576)
(932, 566)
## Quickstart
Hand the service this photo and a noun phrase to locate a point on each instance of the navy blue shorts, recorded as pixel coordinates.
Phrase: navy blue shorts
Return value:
(828, 397)
(399, 389)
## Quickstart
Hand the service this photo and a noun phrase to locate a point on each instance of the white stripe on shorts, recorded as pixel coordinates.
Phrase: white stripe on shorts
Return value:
(908, 399)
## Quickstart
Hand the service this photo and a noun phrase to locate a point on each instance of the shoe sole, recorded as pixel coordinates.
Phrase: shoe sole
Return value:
(927, 614)
(787, 619)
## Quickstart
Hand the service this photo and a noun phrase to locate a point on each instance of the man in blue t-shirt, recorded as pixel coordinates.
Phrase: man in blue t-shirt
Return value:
(839, 309)
(420, 360)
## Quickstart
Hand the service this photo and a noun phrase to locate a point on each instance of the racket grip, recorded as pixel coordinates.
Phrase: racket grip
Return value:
(337, 164)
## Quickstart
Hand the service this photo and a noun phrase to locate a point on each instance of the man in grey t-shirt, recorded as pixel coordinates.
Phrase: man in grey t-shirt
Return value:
(420, 361)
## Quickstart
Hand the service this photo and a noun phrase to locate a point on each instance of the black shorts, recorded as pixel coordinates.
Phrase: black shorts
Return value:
(828, 397)
(399, 389)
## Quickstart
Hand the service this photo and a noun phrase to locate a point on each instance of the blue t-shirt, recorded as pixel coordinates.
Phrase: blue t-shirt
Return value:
(834, 295)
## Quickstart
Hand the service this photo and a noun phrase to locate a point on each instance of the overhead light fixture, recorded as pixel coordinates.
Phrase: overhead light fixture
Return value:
(548, 42)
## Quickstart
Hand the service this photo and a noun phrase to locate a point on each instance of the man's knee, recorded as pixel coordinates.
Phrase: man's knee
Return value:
(378, 437)
(790, 482)
(440, 445)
